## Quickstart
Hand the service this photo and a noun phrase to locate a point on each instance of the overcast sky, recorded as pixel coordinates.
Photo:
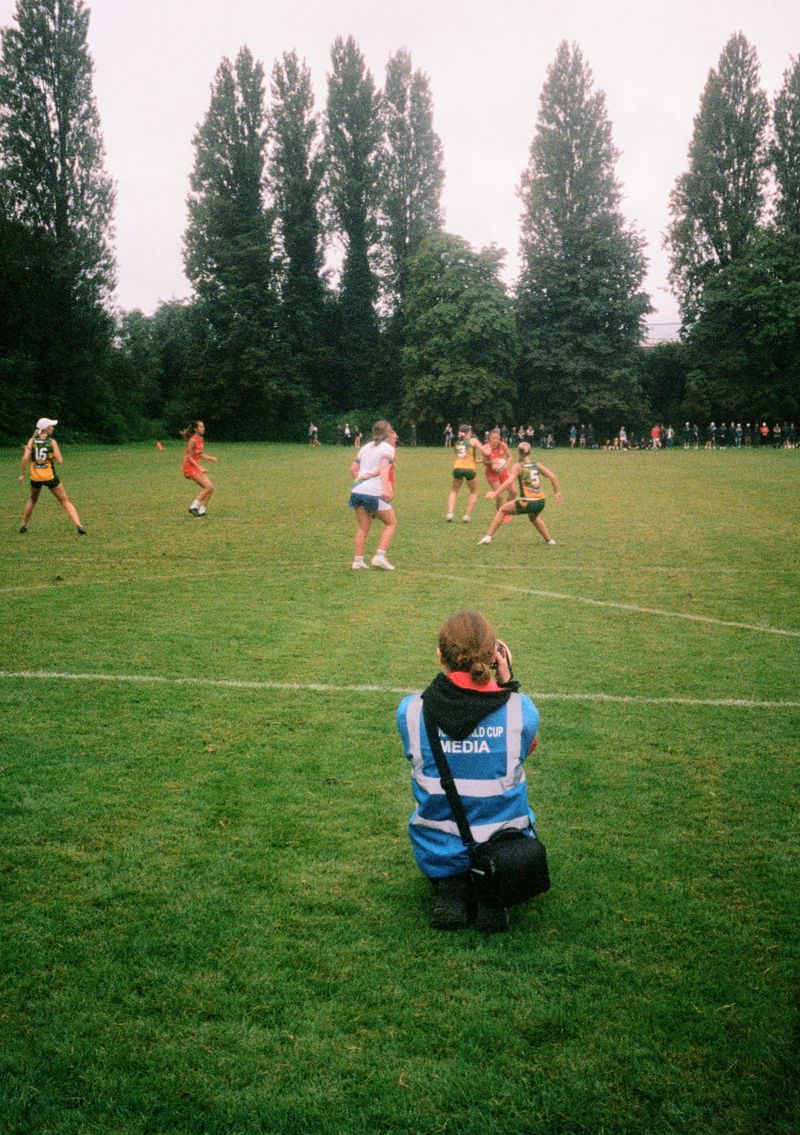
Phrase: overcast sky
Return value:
(486, 60)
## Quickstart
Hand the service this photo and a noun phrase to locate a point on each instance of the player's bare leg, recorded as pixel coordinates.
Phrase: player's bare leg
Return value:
(60, 493)
(451, 498)
(471, 499)
(541, 527)
(508, 509)
(30, 504)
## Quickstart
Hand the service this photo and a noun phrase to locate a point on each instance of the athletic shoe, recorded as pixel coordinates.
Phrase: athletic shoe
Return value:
(382, 562)
(81, 531)
(466, 519)
(23, 527)
(202, 511)
(359, 564)
(449, 517)
(552, 543)
(194, 511)
(451, 910)
(485, 540)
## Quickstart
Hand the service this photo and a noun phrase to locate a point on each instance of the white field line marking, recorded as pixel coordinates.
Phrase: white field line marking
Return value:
(542, 594)
(322, 687)
(632, 607)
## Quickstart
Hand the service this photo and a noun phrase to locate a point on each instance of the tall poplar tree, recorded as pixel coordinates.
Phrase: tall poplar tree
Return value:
(580, 300)
(412, 170)
(786, 151)
(294, 180)
(353, 132)
(716, 206)
(241, 387)
(57, 201)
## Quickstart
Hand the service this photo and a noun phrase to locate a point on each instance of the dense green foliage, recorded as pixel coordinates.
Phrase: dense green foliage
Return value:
(211, 921)
(580, 301)
(744, 349)
(786, 151)
(412, 173)
(718, 203)
(56, 203)
(736, 273)
(305, 252)
(294, 183)
(242, 368)
(353, 136)
(460, 345)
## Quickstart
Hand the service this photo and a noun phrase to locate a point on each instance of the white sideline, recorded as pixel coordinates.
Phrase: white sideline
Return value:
(632, 607)
(321, 687)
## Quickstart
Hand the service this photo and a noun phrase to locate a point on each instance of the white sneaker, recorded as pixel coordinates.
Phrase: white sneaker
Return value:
(382, 562)
(449, 516)
(485, 540)
(552, 543)
(466, 519)
(359, 564)
(201, 512)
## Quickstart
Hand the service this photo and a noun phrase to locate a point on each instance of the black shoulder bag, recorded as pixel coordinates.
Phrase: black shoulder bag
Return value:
(511, 866)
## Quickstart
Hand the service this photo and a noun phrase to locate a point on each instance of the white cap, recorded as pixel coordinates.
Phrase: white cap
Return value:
(46, 423)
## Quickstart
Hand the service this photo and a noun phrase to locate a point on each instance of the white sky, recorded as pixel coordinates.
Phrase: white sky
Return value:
(486, 60)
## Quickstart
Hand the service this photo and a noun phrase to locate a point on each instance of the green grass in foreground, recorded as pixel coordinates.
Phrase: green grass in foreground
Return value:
(211, 920)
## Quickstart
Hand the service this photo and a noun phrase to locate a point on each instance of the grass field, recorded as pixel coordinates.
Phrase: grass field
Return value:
(211, 920)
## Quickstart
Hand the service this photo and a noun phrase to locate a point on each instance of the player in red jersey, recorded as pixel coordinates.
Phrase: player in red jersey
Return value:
(193, 470)
(497, 462)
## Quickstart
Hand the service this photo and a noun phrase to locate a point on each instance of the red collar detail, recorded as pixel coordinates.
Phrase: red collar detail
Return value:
(464, 681)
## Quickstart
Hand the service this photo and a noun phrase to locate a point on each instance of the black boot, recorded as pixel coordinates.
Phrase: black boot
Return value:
(451, 910)
(491, 917)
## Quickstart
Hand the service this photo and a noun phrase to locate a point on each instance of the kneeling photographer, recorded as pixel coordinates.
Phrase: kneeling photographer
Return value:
(467, 736)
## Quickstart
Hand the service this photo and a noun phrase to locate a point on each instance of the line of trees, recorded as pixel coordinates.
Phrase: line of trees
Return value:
(413, 322)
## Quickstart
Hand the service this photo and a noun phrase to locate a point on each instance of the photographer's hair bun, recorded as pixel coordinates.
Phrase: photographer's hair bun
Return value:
(467, 643)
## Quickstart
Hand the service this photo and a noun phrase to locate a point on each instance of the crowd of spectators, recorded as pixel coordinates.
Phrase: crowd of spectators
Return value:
(544, 437)
(726, 435)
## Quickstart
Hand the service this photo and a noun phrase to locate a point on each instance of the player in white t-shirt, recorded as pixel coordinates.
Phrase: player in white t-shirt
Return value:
(372, 493)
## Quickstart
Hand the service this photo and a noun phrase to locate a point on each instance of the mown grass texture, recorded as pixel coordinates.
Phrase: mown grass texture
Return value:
(211, 917)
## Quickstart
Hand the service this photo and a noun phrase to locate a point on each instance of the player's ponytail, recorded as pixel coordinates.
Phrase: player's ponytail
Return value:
(381, 431)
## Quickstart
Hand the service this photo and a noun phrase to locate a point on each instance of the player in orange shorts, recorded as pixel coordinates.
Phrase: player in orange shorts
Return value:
(496, 463)
(193, 470)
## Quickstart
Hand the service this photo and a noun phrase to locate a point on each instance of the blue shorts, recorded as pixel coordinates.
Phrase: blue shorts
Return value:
(367, 501)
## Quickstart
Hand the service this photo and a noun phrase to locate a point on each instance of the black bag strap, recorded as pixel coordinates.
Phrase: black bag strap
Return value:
(446, 778)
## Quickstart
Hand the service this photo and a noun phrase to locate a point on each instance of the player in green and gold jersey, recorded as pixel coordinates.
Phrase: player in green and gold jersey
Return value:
(530, 494)
(42, 453)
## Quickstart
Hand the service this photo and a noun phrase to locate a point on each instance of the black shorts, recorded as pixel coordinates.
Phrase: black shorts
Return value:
(53, 483)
